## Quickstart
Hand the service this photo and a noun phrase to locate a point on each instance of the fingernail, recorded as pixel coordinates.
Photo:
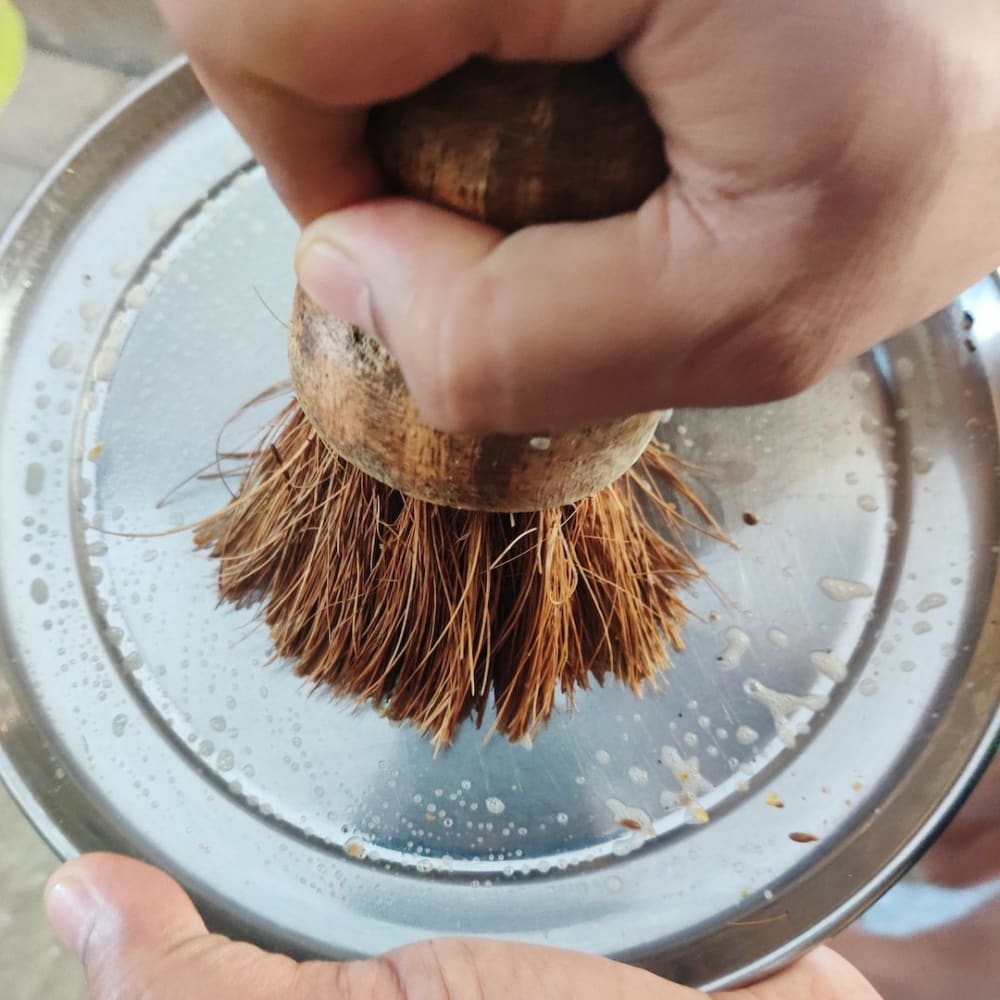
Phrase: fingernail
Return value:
(335, 283)
(71, 909)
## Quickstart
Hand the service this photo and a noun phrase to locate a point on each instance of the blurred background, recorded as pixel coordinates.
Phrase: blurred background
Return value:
(82, 56)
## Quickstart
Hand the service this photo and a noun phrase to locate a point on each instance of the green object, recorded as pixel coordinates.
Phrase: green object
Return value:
(13, 41)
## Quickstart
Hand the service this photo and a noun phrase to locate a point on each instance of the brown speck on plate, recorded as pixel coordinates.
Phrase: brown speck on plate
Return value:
(630, 824)
(773, 801)
(749, 517)
(803, 838)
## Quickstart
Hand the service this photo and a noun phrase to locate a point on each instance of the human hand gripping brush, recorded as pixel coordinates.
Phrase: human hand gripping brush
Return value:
(436, 575)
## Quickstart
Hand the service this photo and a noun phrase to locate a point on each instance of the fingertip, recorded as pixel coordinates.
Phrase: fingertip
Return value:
(70, 907)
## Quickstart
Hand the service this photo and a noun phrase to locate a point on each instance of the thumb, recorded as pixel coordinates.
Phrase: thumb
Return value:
(558, 326)
(138, 935)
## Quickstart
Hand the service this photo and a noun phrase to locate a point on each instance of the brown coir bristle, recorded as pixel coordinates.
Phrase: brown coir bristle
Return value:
(433, 614)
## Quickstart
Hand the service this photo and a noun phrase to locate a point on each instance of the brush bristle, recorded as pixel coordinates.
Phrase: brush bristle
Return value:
(432, 614)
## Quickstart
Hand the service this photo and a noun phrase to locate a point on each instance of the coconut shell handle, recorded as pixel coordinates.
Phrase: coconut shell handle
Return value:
(519, 144)
(511, 145)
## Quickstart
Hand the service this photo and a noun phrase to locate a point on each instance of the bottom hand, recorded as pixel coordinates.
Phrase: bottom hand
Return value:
(139, 936)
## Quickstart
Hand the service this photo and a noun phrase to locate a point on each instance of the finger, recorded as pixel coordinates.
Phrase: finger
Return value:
(821, 975)
(315, 158)
(138, 935)
(498, 971)
(558, 326)
(295, 77)
(349, 54)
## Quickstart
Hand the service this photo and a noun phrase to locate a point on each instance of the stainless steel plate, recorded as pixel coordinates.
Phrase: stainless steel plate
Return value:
(834, 704)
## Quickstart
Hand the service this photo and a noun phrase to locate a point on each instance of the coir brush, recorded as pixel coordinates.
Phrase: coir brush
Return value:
(434, 575)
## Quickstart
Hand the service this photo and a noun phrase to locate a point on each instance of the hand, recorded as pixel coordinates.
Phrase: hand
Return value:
(834, 170)
(139, 936)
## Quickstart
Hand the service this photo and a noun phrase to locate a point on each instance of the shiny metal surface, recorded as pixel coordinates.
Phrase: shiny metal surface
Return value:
(834, 704)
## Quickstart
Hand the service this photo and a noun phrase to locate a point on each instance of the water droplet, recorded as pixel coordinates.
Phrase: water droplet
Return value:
(161, 219)
(218, 723)
(632, 818)
(778, 637)
(868, 687)
(932, 601)
(602, 757)
(355, 848)
(61, 355)
(118, 724)
(829, 665)
(34, 479)
(747, 735)
(922, 628)
(781, 705)
(39, 591)
(132, 662)
(225, 761)
(922, 461)
(905, 369)
(91, 311)
(737, 643)
(495, 805)
(868, 503)
(638, 775)
(844, 590)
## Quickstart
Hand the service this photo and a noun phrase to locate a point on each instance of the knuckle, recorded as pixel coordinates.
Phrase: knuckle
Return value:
(434, 970)
(373, 977)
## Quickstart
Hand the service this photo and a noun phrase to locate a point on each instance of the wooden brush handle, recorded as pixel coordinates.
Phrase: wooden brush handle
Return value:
(511, 145)
(516, 145)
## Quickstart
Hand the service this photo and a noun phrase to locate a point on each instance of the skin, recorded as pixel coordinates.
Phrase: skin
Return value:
(832, 165)
(832, 168)
(140, 938)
